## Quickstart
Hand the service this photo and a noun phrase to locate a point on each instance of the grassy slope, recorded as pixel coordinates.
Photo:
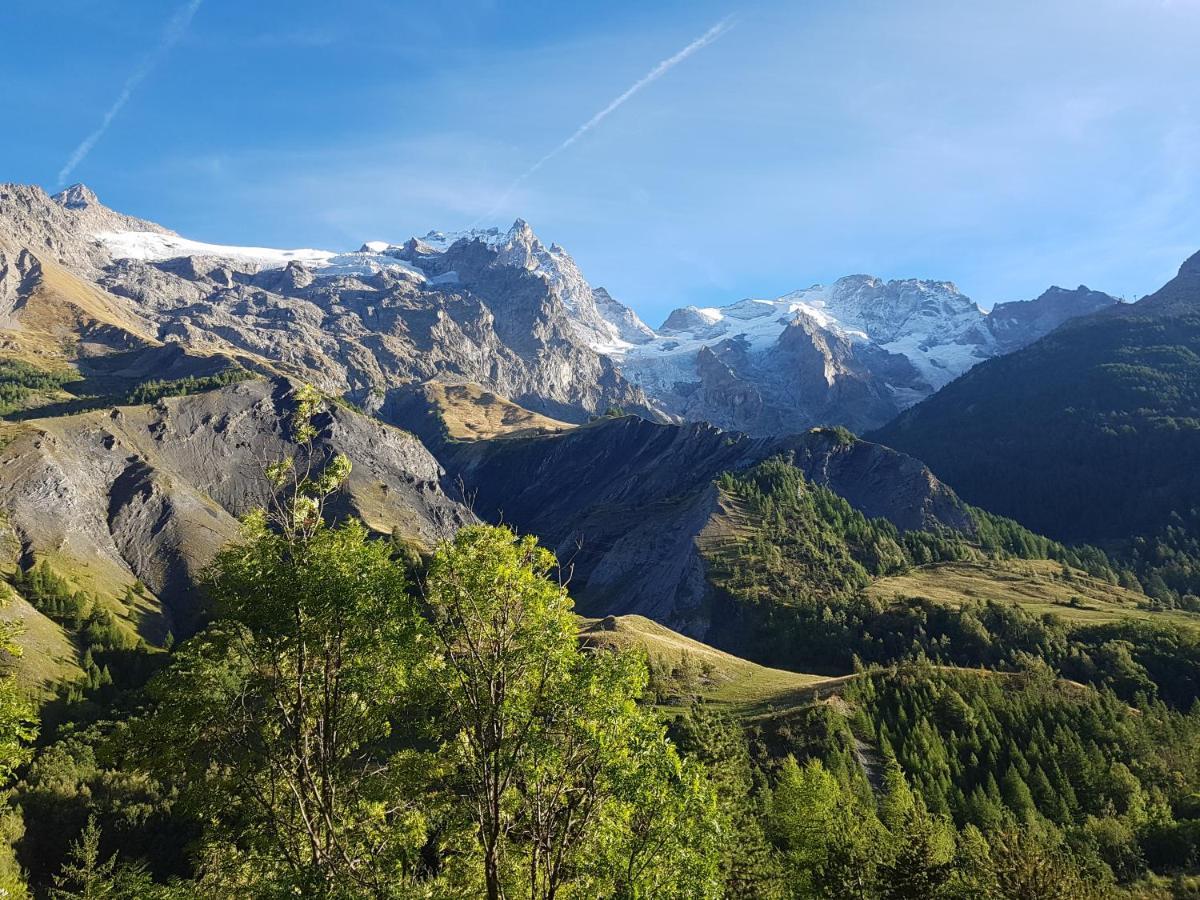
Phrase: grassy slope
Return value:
(471, 413)
(1035, 585)
(48, 657)
(743, 687)
(59, 309)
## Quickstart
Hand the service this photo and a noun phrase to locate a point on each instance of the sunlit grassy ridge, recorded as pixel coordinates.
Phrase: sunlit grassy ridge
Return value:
(470, 413)
(741, 686)
(1037, 586)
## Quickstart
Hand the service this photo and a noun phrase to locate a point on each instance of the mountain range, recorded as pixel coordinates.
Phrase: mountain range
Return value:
(503, 310)
(1089, 434)
(148, 379)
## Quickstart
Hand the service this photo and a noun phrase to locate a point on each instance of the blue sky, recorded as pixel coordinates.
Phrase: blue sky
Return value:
(1002, 145)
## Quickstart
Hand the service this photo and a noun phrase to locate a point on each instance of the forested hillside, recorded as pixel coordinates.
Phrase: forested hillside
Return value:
(1092, 433)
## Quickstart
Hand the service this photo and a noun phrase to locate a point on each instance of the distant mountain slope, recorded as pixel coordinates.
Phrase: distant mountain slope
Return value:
(625, 502)
(1092, 433)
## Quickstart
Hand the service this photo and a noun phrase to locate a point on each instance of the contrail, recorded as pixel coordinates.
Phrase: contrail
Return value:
(653, 75)
(171, 34)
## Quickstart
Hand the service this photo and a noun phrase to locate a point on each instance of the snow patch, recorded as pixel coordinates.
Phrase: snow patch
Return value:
(150, 246)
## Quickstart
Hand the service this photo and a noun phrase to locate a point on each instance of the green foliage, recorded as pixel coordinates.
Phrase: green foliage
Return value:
(155, 389)
(109, 651)
(797, 571)
(1018, 756)
(18, 728)
(336, 743)
(13, 884)
(546, 737)
(809, 545)
(91, 772)
(18, 723)
(839, 843)
(20, 381)
(52, 595)
(749, 864)
(1134, 657)
(841, 435)
(1167, 561)
(939, 824)
(269, 714)
(86, 876)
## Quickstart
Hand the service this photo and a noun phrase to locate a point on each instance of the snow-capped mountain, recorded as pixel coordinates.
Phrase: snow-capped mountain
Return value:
(516, 315)
(855, 353)
(367, 324)
(603, 323)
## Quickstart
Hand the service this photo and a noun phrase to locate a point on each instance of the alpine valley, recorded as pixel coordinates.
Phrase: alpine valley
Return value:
(429, 569)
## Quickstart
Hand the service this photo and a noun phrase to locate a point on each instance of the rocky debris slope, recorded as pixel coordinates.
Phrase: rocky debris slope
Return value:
(151, 493)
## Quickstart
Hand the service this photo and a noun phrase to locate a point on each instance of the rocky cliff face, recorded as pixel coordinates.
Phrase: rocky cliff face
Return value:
(598, 319)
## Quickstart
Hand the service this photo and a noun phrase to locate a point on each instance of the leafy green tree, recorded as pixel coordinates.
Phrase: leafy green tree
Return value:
(569, 782)
(87, 876)
(18, 719)
(278, 716)
(18, 729)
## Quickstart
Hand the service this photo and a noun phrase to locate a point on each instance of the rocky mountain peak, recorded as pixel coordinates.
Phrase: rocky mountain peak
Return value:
(77, 196)
(1191, 265)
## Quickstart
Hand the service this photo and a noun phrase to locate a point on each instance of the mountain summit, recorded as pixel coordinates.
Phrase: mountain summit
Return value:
(77, 196)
